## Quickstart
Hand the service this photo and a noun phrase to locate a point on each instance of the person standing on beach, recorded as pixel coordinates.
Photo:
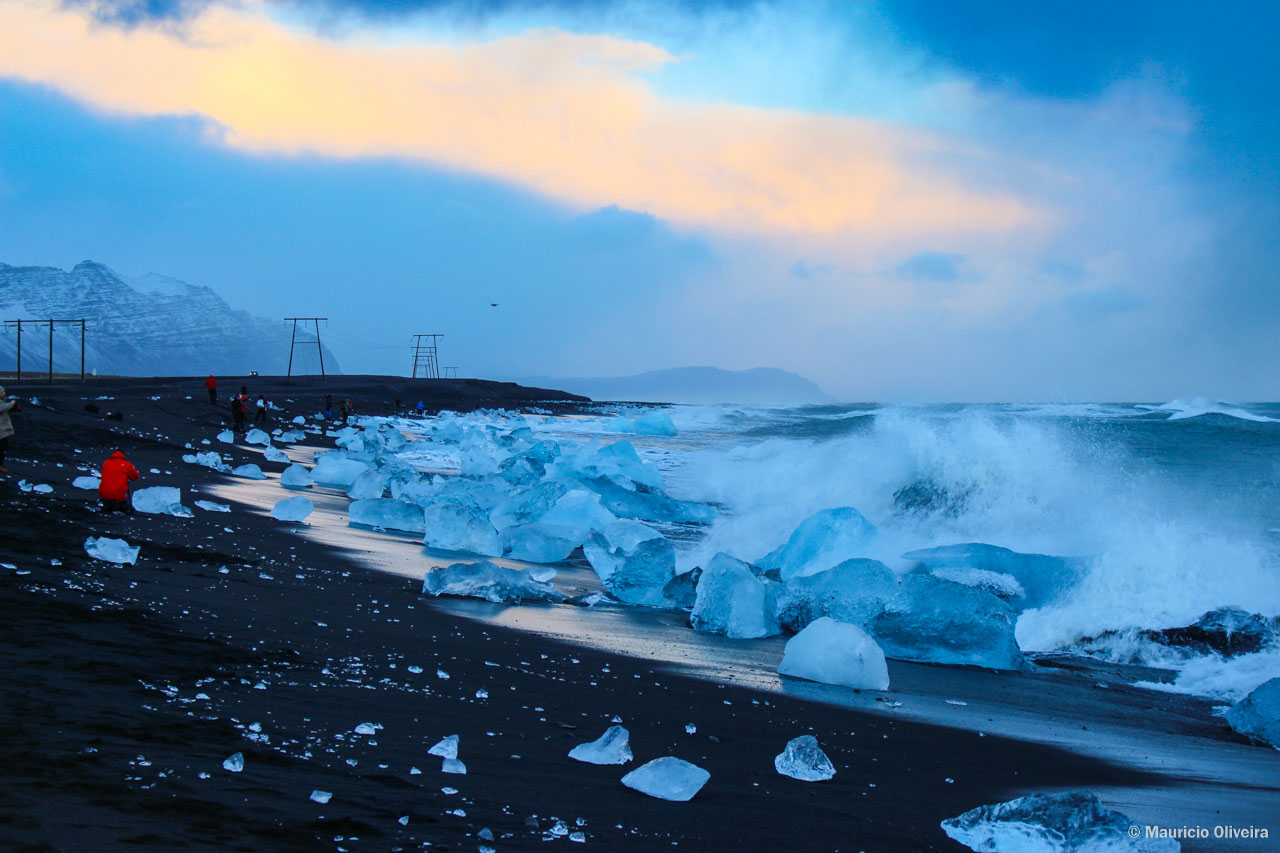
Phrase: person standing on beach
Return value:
(346, 410)
(328, 406)
(211, 385)
(237, 413)
(261, 415)
(117, 473)
(420, 408)
(6, 424)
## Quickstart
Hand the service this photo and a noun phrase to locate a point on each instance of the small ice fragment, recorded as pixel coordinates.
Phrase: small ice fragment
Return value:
(442, 675)
(249, 472)
(612, 747)
(367, 729)
(446, 748)
(296, 508)
(413, 771)
(690, 728)
(415, 669)
(112, 550)
(956, 702)
(667, 778)
(321, 796)
(803, 759)
(210, 506)
(453, 765)
(485, 834)
(1067, 821)
(274, 454)
(234, 763)
(404, 820)
(296, 477)
(482, 693)
(88, 483)
(227, 437)
(257, 436)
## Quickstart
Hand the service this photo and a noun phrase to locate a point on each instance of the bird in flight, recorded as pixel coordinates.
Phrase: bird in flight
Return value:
(493, 305)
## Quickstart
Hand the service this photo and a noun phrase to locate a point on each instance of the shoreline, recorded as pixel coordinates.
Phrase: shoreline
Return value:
(113, 659)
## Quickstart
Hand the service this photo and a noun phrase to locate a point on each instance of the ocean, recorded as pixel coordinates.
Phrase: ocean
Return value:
(1171, 510)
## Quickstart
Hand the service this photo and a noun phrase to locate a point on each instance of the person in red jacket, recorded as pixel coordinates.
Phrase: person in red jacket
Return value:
(117, 473)
(212, 385)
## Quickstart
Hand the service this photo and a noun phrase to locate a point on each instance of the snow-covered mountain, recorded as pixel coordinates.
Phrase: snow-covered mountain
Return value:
(151, 325)
(761, 385)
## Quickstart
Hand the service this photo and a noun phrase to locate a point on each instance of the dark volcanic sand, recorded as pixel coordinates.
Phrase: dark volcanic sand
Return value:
(104, 738)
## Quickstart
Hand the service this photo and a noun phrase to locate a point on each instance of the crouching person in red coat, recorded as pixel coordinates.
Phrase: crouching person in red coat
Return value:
(117, 473)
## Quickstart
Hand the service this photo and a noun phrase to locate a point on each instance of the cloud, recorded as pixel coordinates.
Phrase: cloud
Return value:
(931, 266)
(571, 116)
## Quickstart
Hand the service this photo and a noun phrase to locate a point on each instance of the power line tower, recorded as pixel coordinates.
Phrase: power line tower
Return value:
(293, 341)
(17, 324)
(425, 361)
(451, 373)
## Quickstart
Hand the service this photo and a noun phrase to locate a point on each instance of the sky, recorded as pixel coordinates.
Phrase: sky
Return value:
(900, 200)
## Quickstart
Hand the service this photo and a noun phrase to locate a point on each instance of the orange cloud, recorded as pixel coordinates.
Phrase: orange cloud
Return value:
(570, 116)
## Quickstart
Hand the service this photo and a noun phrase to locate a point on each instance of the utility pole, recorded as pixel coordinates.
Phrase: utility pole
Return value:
(424, 356)
(51, 322)
(293, 341)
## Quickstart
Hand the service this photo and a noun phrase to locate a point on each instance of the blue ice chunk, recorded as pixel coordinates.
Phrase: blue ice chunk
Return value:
(937, 621)
(854, 591)
(822, 540)
(731, 600)
(1258, 714)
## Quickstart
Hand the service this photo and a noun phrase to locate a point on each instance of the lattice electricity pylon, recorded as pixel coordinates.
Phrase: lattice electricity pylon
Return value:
(451, 373)
(425, 361)
(17, 324)
(293, 341)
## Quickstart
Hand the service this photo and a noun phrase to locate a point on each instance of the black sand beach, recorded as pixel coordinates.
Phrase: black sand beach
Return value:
(125, 687)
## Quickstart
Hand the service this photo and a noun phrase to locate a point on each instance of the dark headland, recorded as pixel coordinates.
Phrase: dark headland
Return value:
(126, 686)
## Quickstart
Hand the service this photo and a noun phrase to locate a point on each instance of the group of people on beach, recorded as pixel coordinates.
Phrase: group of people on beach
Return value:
(239, 404)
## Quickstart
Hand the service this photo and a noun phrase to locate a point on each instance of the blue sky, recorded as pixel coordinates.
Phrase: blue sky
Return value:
(900, 200)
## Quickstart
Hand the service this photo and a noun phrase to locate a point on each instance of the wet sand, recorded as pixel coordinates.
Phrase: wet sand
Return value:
(123, 684)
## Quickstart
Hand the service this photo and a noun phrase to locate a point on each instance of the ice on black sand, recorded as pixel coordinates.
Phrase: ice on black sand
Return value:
(234, 763)
(803, 759)
(835, 653)
(612, 747)
(667, 778)
(296, 508)
(446, 748)
(1052, 823)
(112, 550)
(321, 796)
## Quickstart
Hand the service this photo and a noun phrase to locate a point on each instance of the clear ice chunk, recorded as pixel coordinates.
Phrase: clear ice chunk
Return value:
(296, 477)
(1258, 714)
(452, 525)
(1042, 577)
(115, 551)
(667, 778)
(274, 454)
(446, 747)
(634, 562)
(855, 591)
(731, 600)
(249, 472)
(612, 747)
(803, 759)
(489, 581)
(824, 539)
(234, 762)
(835, 653)
(369, 485)
(257, 436)
(158, 500)
(387, 513)
(539, 543)
(337, 470)
(296, 508)
(1068, 822)
(937, 621)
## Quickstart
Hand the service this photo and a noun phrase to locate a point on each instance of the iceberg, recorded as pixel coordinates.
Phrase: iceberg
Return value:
(667, 778)
(369, 485)
(1258, 714)
(824, 539)
(336, 470)
(387, 513)
(292, 509)
(296, 477)
(257, 436)
(274, 454)
(626, 503)
(1042, 577)
(452, 525)
(445, 748)
(158, 500)
(1068, 822)
(854, 591)
(937, 621)
(731, 600)
(634, 562)
(655, 423)
(209, 459)
(249, 472)
(579, 512)
(489, 581)
(803, 759)
(539, 543)
(612, 747)
(835, 653)
(115, 551)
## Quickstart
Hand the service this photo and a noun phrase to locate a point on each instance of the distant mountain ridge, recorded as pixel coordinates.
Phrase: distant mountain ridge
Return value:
(760, 385)
(151, 325)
